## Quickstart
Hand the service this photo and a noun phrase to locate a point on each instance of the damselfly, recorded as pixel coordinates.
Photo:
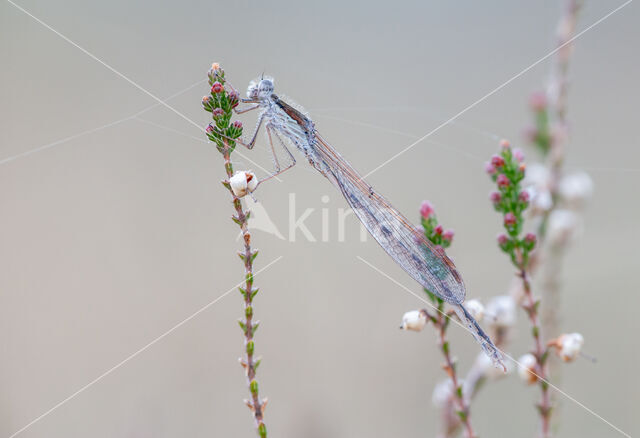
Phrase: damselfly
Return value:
(427, 264)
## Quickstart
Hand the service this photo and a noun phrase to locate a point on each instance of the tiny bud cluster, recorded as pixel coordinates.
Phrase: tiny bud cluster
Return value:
(507, 170)
(434, 232)
(540, 134)
(220, 104)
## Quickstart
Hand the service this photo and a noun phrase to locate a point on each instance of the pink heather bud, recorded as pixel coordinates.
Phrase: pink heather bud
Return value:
(209, 129)
(216, 88)
(237, 124)
(426, 210)
(448, 235)
(233, 98)
(538, 101)
(522, 167)
(504, 144)
(438, 230)
(510, 219)
(217, 112)
(530, 238)
(205, 100)
(503, 181)
(523, 196)
(489, 168)
(495, 197)
(502, 239)
(497, 161)
(519, 155)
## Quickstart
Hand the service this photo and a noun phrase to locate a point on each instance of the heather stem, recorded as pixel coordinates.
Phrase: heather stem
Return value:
(220, 103)
(558, 94)
(540, 352)
(249, 363)
(441, 323)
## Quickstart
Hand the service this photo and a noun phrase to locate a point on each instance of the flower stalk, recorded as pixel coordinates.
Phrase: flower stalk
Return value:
(552, 106)
(507, 170)
(442, 238)
(462, 404)
(222, 132)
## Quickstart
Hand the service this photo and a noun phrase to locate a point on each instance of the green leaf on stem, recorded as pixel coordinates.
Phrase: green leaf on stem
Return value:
(253, 387)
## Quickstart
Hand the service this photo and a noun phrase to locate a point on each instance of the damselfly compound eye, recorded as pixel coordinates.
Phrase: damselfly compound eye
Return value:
(265, 88)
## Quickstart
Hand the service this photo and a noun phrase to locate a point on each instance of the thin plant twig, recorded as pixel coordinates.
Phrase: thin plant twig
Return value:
(221, 104)
(415, 320)
(441, 323)
(531, 306)
(551, 256)
(507, 170)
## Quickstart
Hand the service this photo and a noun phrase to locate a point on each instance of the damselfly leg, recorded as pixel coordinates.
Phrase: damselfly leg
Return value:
(277, 170)
(254, 136)
(243, 100)
(245, 110)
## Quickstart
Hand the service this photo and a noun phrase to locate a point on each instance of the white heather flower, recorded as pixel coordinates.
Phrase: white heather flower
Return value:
(576, 189)
(501, 311)
(442, 393)
(243, 182)
(489, 370)
(475, 308)
(541, 200)
(252, 181)
(563, 226)
(414, 320)
(526, 368)
(569, 346)
(537, 175)
(537, 182)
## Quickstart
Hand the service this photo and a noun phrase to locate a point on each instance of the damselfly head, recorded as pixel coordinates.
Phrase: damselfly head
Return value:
(260, 88)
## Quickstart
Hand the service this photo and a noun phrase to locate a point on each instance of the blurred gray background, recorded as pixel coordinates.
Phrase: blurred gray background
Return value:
(111, 238)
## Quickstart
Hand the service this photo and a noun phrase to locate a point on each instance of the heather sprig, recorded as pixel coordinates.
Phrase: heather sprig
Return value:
(220, 103)
(417, 319)
(507, 170)
(541, 133)
(434, 232)
(222, 131)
